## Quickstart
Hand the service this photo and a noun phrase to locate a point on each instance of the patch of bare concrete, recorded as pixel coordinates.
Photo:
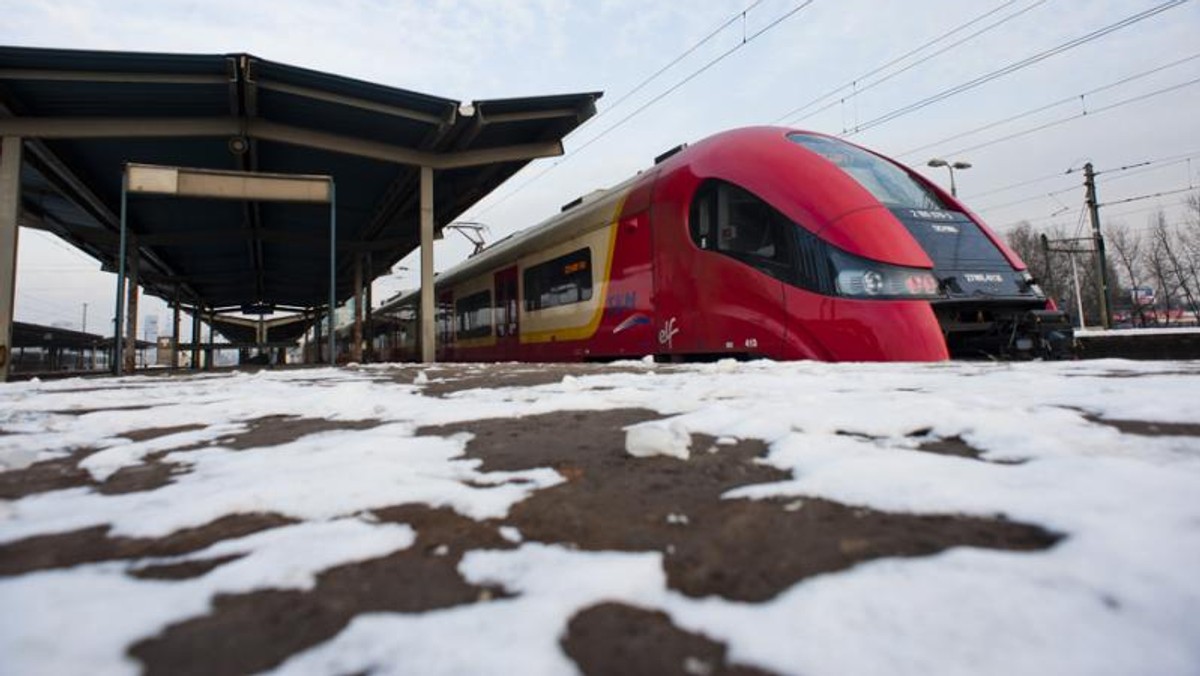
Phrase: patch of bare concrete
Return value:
(613, 638)
(92, 545)
(260, 630)
(745, 550)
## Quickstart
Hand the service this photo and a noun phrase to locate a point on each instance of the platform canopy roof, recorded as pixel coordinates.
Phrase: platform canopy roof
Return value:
(86, 114)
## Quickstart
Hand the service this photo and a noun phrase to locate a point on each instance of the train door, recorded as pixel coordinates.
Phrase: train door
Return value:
(508, 328)
(679, 325)
(728, 275)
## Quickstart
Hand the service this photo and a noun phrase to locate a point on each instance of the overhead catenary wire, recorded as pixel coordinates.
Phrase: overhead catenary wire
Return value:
(1013, 186)
(796, 114)
(1108, 217)
(1156, 165)
(1130, 212)
(721, 57)
(1091, 113)
(1015, 66)
(670, 64)
(1060, 102)
(1023, 200)
(739, 15)
(1139, 198)
(1140, 167)
(746, 39)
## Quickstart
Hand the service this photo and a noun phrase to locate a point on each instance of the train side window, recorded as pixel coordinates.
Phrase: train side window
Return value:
(729, 220)
(560, 281)
(473, 315)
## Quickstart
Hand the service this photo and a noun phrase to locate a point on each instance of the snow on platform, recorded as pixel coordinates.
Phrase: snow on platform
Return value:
(139, 510)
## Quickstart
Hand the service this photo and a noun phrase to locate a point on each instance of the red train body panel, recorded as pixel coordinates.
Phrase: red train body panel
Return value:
(758, 242)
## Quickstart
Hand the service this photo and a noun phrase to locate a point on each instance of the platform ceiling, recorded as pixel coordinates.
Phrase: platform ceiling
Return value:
(84, 114)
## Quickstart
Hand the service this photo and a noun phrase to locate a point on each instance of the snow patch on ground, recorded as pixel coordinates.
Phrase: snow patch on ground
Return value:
(82, 619)
(321, 476)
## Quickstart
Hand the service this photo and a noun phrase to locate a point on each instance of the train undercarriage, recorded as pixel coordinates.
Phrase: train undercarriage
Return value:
(1005, 331)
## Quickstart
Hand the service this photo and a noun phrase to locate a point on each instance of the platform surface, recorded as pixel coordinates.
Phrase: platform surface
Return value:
(722, 518)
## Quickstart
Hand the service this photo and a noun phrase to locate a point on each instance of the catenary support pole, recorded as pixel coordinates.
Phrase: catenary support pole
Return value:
(1089, 178)
(10, 210)
(427, 301)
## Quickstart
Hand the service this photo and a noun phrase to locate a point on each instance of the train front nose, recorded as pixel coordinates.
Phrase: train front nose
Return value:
(842, 329)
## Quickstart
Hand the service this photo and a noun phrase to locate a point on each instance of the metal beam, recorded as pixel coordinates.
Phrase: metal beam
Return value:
(110, 77)
(129, 127)
(92, 127)
(206, 278)
(251, 323)
(514, 153)
(361, 104)
(193, 237)
(348, 145)
(529, 116)
(10, 209)
(428, 353)
(336, 143)
(56, 171)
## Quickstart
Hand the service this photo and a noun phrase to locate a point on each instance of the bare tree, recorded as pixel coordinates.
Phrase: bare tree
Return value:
(1158, 262)
(1188, 235)
(1171, 243)
(1125, 245)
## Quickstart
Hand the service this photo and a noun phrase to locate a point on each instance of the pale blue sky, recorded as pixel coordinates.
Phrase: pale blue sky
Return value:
(482, 49)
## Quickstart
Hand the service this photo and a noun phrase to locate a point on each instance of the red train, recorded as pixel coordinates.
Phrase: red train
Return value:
(757, 242)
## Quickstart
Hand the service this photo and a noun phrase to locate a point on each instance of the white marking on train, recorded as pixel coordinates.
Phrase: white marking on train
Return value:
(666, 335)
(983, 278)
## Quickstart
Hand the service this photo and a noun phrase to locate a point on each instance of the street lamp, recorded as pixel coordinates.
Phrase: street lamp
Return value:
(950, 166)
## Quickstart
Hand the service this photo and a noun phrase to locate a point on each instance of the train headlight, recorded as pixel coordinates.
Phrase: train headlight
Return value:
(872, 283)
(860, 278)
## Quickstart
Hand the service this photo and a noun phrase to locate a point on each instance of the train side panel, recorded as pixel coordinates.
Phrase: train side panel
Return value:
(708, 303)
(628, 326)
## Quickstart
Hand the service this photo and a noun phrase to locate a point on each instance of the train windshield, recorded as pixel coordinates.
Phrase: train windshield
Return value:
(887, 182)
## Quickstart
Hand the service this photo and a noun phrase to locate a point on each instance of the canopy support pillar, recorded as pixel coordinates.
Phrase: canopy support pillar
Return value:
(427, 300)
(196, 338)
(356, 332)
(131, 313)
(10, 209)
